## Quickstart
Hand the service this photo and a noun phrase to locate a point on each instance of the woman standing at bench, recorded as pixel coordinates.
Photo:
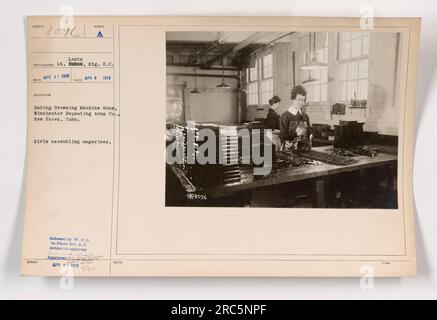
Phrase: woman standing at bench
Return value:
(272, 121)
(294, 124)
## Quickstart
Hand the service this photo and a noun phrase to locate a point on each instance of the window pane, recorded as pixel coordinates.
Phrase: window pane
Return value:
(253, 99)
(353, 88)
(316, 93)
(341, 90)
(362, 89)
(345, 48)
(352, 70)
(344, 36)
(356, 47)
(316, 75)
(266, 90)
(268, 72)
(253, 94)
(353, 80)
(322, 55)
(305, 57)
(254, 73)
(366, 42)
(363, 69)
(267, 62)
(356, 35)
(324, 76)
(264, 98)
(356, 44)
(343, 71)
(324, 93)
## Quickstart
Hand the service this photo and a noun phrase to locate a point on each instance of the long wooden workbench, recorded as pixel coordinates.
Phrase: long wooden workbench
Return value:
(317, 172)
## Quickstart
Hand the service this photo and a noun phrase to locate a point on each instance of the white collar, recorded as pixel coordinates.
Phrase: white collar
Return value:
(293, 110)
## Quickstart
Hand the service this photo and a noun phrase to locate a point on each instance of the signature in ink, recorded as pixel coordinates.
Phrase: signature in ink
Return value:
(85, 261)
(66, 32)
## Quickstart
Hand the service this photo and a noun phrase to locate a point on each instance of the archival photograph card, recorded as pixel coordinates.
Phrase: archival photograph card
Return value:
(220, 146)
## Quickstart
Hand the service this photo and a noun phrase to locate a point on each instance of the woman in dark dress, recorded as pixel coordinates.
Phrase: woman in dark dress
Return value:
(272, 119)
(295, 127)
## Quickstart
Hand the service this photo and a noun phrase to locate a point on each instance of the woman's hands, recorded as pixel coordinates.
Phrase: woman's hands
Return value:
(300, 131)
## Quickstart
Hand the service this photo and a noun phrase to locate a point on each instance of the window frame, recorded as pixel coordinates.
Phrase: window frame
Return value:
(348, 62)
(250, 82)
(265, 79)
(260, 78)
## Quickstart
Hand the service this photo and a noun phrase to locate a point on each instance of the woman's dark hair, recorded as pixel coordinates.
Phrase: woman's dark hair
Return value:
(274, 99)
(298, 90)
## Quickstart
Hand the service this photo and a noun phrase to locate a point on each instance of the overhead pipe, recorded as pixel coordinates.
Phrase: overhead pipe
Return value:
(184, 74)
(194, 59)
(254, 37)
(228, 68)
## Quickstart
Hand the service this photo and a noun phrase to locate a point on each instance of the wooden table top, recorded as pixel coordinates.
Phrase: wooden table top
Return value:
(308, 171)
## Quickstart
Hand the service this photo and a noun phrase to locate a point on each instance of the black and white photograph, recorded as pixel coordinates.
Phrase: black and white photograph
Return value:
(283, 119)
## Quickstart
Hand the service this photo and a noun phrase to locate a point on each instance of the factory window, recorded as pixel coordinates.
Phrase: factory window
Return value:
(267, 79)
(252, 85)
(259, 81)
(353, 58)
(316, 82)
